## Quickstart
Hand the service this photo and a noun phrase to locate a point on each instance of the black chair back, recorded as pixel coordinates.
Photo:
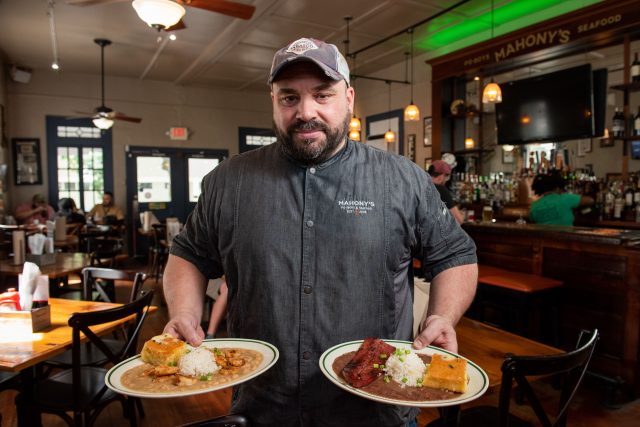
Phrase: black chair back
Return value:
(102, 280)
(81, 323)
(571, 366)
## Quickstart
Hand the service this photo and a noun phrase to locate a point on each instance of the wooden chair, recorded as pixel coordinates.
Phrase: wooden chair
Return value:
(90, 355)
(224, 421)
(158, 251)
(82, 389)
(570, 367)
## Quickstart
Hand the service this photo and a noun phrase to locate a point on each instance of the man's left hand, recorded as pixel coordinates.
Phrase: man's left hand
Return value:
(437, 331)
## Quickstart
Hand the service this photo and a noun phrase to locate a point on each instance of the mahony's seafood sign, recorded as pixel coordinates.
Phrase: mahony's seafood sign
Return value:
(612, 18)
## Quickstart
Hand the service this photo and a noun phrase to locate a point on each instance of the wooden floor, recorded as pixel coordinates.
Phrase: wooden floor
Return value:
(586, 410)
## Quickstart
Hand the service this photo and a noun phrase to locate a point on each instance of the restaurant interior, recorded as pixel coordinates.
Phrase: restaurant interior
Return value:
(126, 113)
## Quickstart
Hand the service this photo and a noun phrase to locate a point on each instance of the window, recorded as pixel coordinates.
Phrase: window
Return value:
(154, 179)
(197, 169)
(252, 138)
(79, 161)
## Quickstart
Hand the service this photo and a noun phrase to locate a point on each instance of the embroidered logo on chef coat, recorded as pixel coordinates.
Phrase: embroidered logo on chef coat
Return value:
(300, 46)
(356, 207)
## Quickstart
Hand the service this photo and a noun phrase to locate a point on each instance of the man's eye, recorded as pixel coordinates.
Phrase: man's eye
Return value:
(288, 100)
(323, 97)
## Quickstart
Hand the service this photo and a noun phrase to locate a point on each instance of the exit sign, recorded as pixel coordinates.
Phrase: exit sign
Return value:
(180, 134)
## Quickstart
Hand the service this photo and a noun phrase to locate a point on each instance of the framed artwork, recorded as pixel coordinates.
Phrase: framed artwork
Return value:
(427, 131)
(26, 161)
(507, 156)
(427, 163)
(411, 150)
(584, 146)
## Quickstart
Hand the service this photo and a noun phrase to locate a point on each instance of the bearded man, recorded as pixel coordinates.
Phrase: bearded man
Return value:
(315, 236)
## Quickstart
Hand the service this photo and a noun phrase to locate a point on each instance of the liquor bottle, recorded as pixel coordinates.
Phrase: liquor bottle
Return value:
(635, 69)
(617, 127)
(636, 123)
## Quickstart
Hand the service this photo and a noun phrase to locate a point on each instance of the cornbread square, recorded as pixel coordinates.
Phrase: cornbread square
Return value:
(446, 373)
(163, 350)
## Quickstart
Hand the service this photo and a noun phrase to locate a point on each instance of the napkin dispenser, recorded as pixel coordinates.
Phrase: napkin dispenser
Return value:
(18, 323)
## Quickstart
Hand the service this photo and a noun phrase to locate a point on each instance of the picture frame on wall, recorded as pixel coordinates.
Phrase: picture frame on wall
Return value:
(584, 146)
(507, 156)
(427, 162)
(427, 131)
(27, 168)
(411, 144)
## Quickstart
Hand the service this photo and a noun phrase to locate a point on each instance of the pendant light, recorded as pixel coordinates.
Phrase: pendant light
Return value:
(411, 112)
(492, 94)
(355, 126)
(389, 136)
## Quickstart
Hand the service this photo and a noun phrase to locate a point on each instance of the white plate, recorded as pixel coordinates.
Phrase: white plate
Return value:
(478, 379)
(269, 352)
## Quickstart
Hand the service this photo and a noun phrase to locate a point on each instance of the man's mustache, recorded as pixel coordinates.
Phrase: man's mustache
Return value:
(301, 125)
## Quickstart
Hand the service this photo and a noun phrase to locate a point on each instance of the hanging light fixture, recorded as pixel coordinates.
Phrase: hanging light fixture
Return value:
(159, 14)
(355, 126)
(389, 136)
(102, 123)
(411, 112)
(55, 65)
(492, 94)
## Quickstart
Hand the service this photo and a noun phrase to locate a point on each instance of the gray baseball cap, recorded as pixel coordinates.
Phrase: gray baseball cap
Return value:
(324, 55)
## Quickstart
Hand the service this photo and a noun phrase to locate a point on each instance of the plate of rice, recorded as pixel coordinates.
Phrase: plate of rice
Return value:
(207, 368)
(402, 378)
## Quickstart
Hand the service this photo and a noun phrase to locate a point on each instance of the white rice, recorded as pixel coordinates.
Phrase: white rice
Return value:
(197, 363)
(405, 368)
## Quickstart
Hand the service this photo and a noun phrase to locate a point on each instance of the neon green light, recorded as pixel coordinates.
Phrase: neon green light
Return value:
(510, 17)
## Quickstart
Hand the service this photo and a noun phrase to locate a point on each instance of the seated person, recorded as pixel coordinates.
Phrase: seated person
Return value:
(67, 208)
(554, 205)
(35, 212)
(440, 172)
(106, 212)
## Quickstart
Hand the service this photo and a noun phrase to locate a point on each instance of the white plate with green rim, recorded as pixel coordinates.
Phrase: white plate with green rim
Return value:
(269, 352)
(477, 385)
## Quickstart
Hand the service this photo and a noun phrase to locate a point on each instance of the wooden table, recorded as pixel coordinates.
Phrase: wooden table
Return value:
(66, 263)
(487, 347)
(19, 353)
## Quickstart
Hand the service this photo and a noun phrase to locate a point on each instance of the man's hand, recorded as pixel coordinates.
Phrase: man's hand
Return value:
(186, 327)
(438, 331)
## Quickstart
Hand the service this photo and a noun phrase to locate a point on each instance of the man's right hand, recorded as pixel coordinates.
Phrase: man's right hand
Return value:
(186, 327)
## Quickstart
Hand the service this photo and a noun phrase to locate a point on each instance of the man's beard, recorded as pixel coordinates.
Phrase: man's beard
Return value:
(312, 151)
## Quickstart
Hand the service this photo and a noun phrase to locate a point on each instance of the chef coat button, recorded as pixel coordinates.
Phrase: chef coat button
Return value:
(306, 355)
(312, 170)
(308, 289)
(309, 223)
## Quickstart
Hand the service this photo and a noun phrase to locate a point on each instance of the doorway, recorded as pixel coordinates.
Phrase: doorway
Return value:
(165, 181)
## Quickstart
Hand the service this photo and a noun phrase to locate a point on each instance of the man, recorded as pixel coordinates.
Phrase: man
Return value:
(315, 235)
(440, 172)
(106, 212)
(36, 212)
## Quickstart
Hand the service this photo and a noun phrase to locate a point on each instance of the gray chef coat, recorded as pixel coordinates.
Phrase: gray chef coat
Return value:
(316, 256)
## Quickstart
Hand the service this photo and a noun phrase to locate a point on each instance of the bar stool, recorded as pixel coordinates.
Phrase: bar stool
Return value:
(517, 297)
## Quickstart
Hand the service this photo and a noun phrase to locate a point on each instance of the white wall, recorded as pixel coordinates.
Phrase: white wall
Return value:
(213, 116)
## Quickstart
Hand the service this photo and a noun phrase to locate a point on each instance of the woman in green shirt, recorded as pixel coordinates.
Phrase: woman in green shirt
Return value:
(554, 206)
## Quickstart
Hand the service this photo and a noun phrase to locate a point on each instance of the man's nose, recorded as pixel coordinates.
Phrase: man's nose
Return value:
(306, 110)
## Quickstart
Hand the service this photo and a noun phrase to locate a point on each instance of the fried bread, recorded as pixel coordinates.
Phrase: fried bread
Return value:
(446, 373)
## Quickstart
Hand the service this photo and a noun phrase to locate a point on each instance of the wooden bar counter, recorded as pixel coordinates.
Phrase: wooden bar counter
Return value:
(600, 269)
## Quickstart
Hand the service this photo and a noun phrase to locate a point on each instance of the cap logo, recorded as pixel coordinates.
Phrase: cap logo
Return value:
(300, 46)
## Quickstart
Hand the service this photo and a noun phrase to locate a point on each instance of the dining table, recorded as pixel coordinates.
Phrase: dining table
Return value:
(20, 352)
(65, 263)
(487, 346)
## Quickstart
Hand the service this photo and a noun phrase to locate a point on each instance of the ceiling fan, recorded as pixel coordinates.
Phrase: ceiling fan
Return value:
(154, 7)
(104, 116)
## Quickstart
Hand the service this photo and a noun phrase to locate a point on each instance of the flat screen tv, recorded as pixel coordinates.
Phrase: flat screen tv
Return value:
(553, 107)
